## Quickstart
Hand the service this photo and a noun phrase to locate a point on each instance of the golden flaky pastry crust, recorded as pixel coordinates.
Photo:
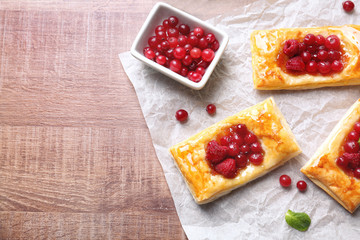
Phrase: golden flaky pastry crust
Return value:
(263, 119)
(266, 46)
(323, 170)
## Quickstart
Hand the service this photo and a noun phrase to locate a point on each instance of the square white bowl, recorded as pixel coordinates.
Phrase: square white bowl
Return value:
(157, 15)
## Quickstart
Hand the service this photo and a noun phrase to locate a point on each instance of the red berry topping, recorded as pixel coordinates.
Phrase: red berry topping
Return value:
(241, 129)
(357, 172)
(357, 127)
(306, 56)
(234, 149)
(256, 158)
(225, 140)
(351, 147)
(207, 55)
(342, 161)
(295, 64)
(348, 6)
(241, 160)
(256, 147)
(250, 138)
(353, 160)
(245, 148)
(285, 180)
(324, 67)
(319, 40)
(215, 153)
(181, 115)
(337, 66)
(227, 168)
(323, 55)
(332, 42)
(309, 39)
(211, 109)
(311, 67)
(291, 47)
(301, 185)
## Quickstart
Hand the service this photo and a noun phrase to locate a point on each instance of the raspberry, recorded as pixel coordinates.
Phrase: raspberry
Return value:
(354, 160)
(291, 47)
(241, 160)
(227, 168)
(295, 64)
(215, 153)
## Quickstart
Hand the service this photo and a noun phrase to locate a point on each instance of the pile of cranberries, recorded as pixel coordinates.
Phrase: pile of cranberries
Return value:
(349, 160)
(185, 52)
(313, 55)
(234, 150)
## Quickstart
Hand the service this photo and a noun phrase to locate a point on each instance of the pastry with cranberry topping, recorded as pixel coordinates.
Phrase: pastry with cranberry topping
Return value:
(305, 58)
(235, 151)
(335, 167)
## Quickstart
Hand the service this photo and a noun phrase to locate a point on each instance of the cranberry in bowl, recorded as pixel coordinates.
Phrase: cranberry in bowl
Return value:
(176, 44)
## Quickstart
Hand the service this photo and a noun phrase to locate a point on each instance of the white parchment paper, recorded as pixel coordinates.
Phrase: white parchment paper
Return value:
(257, 210)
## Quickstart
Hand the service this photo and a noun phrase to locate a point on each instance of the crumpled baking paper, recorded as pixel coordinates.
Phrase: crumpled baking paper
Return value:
(256, 210)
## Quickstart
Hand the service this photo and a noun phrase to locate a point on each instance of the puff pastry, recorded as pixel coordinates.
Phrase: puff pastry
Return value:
(266, 46)
(263, 119)
(323, 170)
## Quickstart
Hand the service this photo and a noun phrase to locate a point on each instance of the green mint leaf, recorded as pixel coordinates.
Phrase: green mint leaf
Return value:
(359, 141)
(299, 221)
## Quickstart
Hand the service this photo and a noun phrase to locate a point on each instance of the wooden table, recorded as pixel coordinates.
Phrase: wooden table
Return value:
(76, 157)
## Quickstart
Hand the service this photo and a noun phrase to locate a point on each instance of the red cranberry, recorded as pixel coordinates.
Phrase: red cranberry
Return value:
(175, 65)
(348, 6)
(193, 41)
(225, 140)
(334, 55)
(184, 29)
(179, 52)
(165, 45)
(337, 66)
(353, 136)
(351, 147)
(203, 64)
(237, 139)
(301, 185)
(357, 127)
(305, 56)
(332, 42)
(285, 180)
(184, 71)
(312, 49)
(182, 40)
(195, 53)
(207, 55)
(323, 55)
(291, 47)
(200, 70)
(342, 161)
(256, 158)
(181, 115)
(199, 32)
(173, 21)
(169, 53)
(319, 40)
(241, 160)
(311, 67)
(188, 48)
(256, 147)
(202, 43)
(309, 39)
(161, 36)
(187, 60)
(211, 109)
(173, 42)
(241, 129)
(195, 77)
(295, 64)
(150, 54)
(152, 41)
(245, 148)
(173, 32)
(210, 37)
(324, 67)
(161, 59)
(250, 138)
(159, 28)
(215, 45)
(357, 173)
(234, 149)
(166, 24)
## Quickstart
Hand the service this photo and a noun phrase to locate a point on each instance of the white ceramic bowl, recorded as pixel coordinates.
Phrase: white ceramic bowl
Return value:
(157, 15)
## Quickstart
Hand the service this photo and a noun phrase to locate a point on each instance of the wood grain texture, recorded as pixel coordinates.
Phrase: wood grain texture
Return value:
(76, 157)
